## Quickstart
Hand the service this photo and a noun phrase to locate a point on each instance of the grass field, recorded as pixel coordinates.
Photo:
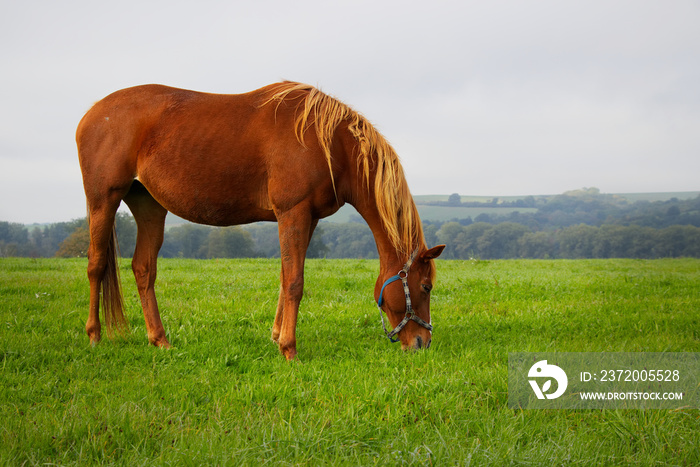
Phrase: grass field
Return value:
(224, 395)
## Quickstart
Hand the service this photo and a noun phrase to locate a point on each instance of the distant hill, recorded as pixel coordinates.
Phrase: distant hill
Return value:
(631, 197)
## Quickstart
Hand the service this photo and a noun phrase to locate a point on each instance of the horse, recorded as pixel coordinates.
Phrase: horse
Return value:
(286, 152)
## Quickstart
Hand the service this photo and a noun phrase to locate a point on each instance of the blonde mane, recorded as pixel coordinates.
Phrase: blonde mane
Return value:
(394, 201)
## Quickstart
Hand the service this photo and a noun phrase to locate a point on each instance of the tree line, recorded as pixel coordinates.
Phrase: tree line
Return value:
(580, 224)
(510, 240)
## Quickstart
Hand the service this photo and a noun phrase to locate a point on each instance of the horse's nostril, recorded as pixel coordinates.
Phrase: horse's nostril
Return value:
(430, 341)
(419, 342)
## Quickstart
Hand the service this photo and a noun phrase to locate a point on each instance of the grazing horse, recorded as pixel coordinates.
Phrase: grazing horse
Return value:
(286, 153)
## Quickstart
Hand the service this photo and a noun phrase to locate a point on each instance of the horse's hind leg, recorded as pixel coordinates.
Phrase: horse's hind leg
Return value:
(150, 222)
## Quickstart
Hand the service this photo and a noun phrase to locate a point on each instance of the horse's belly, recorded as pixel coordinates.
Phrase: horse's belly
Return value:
(223, 216)
(211, 203)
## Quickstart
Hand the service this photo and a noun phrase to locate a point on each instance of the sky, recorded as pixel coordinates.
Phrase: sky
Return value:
(480, 98)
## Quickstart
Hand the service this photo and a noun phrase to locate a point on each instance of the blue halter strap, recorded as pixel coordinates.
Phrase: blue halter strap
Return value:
(387, 282)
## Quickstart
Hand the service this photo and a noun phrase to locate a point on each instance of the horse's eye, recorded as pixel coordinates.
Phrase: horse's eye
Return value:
(426, 288)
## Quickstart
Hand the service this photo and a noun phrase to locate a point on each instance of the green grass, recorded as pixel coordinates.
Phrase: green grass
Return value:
(224, 395)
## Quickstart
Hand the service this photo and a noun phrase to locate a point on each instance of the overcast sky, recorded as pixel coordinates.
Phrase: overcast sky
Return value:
(477, 97)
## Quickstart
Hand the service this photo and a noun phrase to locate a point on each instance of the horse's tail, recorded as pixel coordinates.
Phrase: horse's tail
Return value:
(112, 298)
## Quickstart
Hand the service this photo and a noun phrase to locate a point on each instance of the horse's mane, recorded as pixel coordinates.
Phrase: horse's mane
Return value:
(394, 201)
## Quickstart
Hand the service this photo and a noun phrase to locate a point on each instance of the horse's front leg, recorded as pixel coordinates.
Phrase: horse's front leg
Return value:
(279, 314)
(295, 230)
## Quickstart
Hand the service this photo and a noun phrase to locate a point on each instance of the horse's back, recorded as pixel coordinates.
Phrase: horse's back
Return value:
(217, 159)
(141, 107)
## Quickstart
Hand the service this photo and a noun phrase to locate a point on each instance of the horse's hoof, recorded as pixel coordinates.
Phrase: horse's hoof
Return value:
(160, 342)
(94, 338)
(289, 352)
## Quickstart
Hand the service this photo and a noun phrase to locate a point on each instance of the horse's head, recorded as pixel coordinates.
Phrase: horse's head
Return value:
(407, 302)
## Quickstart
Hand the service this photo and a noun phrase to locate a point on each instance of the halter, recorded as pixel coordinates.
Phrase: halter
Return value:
(410, 315)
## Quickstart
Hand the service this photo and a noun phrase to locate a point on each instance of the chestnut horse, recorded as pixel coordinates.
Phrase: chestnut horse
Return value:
(286, 153)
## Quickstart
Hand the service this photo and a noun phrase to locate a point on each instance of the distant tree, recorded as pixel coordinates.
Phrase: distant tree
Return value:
(352, 240)
(317, 248)
(483, 217)
(430, 233)
(612, 241)
(501, 241)
(126, 234)
(448, 234)
(8, 249)
(54, 235)
(230, 242)
(454, 199)
(45, 241)
(536, 245)
(641, 241)
(465, 222)
(527, 202)
(583, 192)
(467, 242)
(678, 240)
(13, 233)
(266, 239)
(577, 241)
(673, 211)
(14, 239)
(72, 239)
(186, 241)
(170, 248)
(692, 241)
(36, 240)
(76, 245)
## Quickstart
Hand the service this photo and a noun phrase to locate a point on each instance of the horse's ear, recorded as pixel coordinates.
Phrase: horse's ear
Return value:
(432, 253)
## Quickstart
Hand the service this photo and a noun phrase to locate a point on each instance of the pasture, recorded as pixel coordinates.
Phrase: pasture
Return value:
(224, 395)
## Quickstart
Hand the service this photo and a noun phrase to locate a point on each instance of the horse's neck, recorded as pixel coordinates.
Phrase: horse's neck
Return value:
(363, 199)
(389, 257)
